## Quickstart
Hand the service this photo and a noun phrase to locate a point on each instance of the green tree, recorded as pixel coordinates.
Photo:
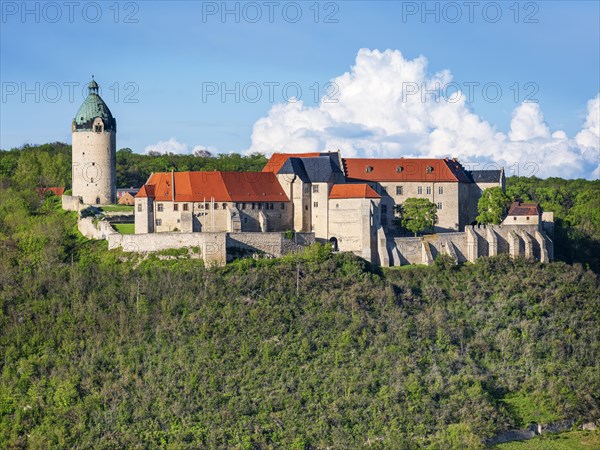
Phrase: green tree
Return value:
(492, 206)
(417, 214)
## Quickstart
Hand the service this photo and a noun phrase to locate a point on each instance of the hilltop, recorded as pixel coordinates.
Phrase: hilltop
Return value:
(105, 349)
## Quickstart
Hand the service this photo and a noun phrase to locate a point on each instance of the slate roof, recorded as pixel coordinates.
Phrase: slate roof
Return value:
(277, 160)
(218, 186)
(322, 168)
(485, 176)
(524, 209)
(353, 191)
(404, 169)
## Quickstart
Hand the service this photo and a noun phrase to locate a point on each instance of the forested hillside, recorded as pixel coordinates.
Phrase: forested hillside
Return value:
(102, 349)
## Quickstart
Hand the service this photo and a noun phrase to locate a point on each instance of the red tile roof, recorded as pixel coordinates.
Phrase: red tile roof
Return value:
(524, 209)
(404, 169)
(277, 160)
(353, 191)
(219, 186)
(59, 191)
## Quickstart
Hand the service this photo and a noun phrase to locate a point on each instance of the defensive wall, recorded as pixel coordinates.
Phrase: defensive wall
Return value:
(216, 248)
(476, 241)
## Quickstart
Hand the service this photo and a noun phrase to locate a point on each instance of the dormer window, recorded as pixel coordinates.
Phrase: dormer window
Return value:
(98, 128)
(368, 169)
(429, 169)
(399, 169)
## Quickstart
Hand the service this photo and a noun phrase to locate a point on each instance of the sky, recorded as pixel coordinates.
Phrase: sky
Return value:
(512, 84)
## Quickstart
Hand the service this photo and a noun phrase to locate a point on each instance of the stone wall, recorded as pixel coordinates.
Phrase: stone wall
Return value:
(71, 202)
(272, 244)
(448, 194)
(99, 230)
(212, 245)
(476, 242)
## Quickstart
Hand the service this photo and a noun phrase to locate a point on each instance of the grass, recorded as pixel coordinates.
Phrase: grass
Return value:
(572, 440)
(124, 228)
(117, 208)
(528, 410)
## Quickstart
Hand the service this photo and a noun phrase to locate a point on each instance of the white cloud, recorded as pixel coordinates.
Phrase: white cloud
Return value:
(176, 147)
(383, 109)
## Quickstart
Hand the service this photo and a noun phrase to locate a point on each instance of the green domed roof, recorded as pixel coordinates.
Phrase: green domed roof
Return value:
(93, 107)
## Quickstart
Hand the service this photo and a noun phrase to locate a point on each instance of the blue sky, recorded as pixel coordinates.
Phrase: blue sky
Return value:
(155, 60)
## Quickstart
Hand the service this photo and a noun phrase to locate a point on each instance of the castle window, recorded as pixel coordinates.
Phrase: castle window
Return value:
(272, 206)
(97, 198)
(139, 207)
(440, 189)
(439, 205)
(306, 207)
(159, 207)
(428, 190)
(259, 205)
(215, 206)
(283, 206)
(224, 206)
(158, 222)
(175, 207)
(185, 207)
(527, 217)
(306, 189)
(243, 206)
(315, 204)
(315, 188)
(253, 205)
(98, 128)
(419, 190)
(398, 190)
(206, 206)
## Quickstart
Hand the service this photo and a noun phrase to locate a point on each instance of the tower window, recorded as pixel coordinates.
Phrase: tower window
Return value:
(139, 207)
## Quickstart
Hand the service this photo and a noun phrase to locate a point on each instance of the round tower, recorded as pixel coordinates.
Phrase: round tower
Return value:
(94, 151)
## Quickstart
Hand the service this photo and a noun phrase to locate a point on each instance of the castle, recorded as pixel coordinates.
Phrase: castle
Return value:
(348, 202)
